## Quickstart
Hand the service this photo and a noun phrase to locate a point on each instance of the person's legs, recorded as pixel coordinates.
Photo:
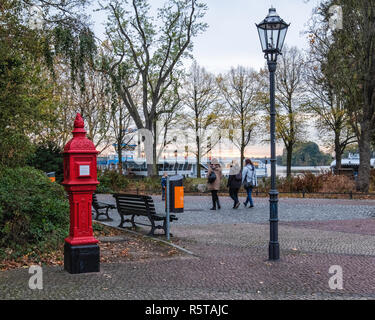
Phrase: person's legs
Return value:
(249, 196)
(232, 195)
(235, 195)
(217, 200)
(213, 199)
(163, 193)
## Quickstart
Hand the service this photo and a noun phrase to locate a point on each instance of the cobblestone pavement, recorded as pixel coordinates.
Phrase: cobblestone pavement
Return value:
(230, 260)
(197, 213)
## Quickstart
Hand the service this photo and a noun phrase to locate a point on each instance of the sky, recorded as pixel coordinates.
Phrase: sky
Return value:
(232, 38)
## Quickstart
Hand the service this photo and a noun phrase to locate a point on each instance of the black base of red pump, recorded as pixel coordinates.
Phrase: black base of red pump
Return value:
(82, 258)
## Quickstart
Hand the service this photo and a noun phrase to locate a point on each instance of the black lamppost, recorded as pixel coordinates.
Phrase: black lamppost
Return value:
(272, 31)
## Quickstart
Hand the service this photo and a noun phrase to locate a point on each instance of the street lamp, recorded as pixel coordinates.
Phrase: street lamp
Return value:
(272, 31)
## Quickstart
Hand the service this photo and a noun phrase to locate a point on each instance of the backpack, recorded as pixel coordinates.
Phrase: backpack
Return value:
(212, 177)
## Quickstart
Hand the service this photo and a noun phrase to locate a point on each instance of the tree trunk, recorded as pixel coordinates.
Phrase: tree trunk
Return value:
(338, 152)
(363, 180)
(150, 166)
(338, 160)
(198, 157)
(242, 149)
(154, 151)
(242, 156)
(289, 152)
(119, 153)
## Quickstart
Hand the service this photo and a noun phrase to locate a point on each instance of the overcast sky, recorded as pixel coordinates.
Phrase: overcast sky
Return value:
(232, 38)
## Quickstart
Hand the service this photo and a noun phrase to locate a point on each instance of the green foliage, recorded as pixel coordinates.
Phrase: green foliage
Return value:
(78, 48)
(25, 90)
(111, 181)
(15, 148)
(307, 154)
(349, 65)
(152, 184)
(48, 158)
(34, 212)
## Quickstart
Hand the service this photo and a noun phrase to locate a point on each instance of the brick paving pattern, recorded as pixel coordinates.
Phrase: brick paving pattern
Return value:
(230, 260)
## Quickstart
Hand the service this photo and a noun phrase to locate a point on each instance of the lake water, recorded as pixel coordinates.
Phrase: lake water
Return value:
(281, 170)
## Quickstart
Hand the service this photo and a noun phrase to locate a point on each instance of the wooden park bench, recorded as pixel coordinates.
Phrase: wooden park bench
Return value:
(140, 205)
(101, 208)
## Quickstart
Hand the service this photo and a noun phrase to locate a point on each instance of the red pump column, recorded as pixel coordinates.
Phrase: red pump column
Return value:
(81, 251)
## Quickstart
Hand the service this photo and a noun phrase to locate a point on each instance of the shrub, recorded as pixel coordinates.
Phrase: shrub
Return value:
(339, 183)
(111, 181)
(372, 180)
(191, 184)
(325, 182)
(152, 184)
(15, 148)
(34, 212)
(48, 158)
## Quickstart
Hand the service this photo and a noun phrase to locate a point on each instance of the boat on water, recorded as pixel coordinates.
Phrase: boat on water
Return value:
(185, 167)
(350, 164)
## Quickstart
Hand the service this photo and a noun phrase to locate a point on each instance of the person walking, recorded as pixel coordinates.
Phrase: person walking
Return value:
(163, 185)
(214, 176)
(249, 181)
(234, 183)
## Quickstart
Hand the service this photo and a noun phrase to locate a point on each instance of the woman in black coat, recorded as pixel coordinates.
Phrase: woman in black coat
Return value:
(234, 184)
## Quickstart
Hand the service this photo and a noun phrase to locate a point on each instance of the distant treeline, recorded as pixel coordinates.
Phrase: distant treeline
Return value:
(306, 154)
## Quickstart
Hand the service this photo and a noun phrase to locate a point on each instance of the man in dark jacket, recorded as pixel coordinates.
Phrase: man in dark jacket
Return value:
(234, 183)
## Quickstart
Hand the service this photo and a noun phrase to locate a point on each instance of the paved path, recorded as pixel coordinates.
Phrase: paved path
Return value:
(230, 259)
(197, 210)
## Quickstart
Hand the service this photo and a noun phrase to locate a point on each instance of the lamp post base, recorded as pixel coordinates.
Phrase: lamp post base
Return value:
(81, 258)
(274, 251)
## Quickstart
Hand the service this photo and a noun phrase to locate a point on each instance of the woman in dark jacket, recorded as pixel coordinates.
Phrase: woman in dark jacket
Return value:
(214, 186)
(234, 183)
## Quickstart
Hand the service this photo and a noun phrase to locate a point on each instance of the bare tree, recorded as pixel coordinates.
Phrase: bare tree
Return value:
(201, 93)
(239, 88)
(149, 55)
(169, 116)
(351, 68)
(289, 100)
(328, 105)
(95, 104)
(120, 123)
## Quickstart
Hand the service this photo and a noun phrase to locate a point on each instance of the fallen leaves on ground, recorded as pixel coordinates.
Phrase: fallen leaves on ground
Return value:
(136, 248)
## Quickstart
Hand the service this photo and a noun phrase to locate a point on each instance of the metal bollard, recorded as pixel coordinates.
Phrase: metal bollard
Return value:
(168, 207)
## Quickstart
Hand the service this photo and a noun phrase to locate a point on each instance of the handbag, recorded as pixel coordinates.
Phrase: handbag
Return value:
(247, 184)
(238, 176)
(212, 177)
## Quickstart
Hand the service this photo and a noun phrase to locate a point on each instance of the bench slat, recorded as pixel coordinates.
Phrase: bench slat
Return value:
(135, 207)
